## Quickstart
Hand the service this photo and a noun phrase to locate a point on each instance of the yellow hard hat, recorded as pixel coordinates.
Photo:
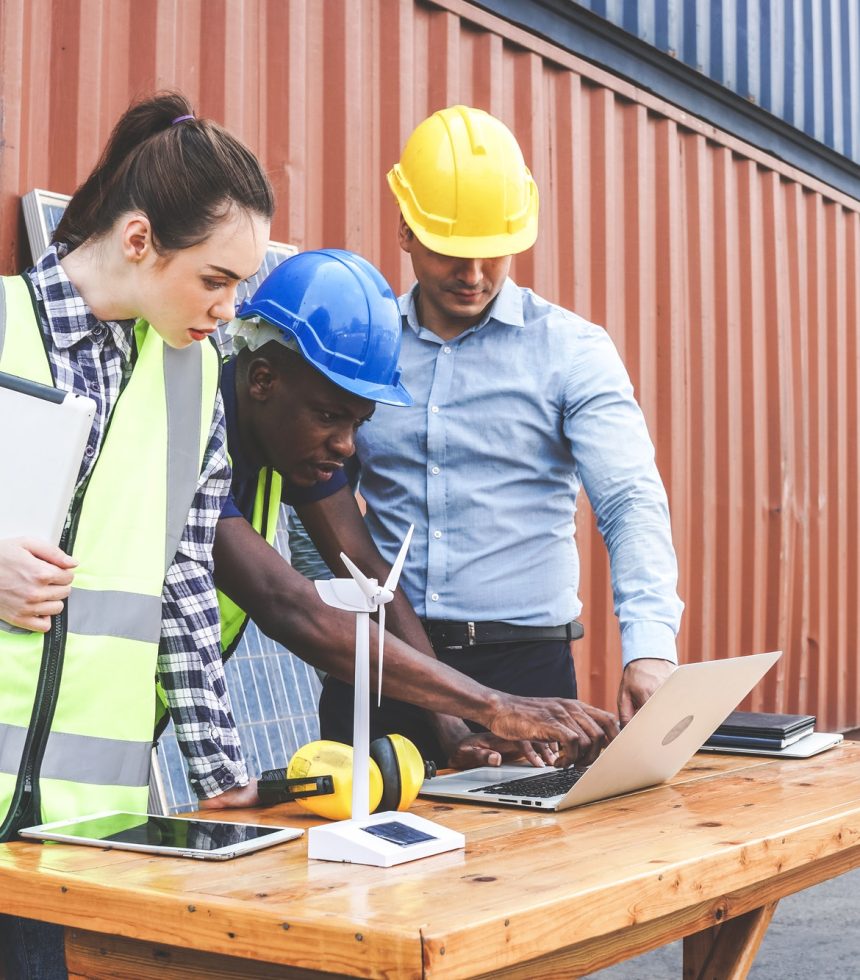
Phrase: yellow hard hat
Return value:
(463, 186)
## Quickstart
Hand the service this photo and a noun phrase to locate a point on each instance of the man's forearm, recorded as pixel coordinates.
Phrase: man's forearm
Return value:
(335, 524)
(287, 607)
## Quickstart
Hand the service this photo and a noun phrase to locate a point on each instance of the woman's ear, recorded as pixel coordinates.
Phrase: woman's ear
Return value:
(136, 237)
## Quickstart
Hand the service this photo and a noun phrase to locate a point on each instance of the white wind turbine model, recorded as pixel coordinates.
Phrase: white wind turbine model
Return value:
(380, 839)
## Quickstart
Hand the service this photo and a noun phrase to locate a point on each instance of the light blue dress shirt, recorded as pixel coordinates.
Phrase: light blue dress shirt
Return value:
(509, 420)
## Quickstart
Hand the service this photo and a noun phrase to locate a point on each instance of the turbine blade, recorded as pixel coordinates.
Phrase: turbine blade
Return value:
(379, 659)
(364, 583)
(397, 567)
(343, 593)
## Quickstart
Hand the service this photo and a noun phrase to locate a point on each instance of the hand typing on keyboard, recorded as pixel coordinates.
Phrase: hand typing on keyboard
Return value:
(580, 729)
(544, 785)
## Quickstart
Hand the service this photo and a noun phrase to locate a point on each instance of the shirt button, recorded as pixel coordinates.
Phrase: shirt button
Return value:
(99, 332)
(435, 471)
(437, 534)
(435, 597)
(89, 452)
(446, 350)
(93, 385)
(435, 409)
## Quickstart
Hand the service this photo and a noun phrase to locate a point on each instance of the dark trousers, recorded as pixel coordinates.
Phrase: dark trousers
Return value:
(31, 950)
(539, 668)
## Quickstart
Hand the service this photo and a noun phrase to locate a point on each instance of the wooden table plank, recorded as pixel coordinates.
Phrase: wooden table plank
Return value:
(529, 884)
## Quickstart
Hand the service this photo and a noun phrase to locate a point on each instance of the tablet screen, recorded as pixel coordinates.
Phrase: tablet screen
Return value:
(138, 831)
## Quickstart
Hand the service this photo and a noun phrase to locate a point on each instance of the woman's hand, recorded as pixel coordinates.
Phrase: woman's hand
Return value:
(35, 579)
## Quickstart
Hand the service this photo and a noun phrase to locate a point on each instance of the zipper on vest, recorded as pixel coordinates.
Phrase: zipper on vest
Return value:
(26, 802)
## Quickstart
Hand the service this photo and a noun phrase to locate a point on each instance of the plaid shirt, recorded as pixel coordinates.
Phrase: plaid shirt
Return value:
(96, 358)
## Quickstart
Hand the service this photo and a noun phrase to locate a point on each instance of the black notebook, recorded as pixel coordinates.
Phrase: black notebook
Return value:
(761, 730)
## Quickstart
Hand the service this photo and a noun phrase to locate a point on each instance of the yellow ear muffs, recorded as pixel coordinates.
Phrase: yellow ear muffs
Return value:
(319, 777)
(403, 771)
(324, 758)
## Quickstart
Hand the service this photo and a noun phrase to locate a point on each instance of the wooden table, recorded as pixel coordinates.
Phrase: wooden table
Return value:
(534, 894)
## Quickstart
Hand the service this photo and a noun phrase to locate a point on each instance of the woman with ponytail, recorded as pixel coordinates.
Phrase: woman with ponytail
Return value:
(143, 265)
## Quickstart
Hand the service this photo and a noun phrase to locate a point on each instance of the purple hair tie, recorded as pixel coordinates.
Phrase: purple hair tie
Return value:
(180, 119)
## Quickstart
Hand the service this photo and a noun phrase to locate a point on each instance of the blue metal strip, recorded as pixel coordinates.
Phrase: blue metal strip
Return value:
(742, 53)
(809, 72)
(765, 65)
(717, 69)
(828, 70)
(848, 94)
(661, 25)
(630, 16)
(789, 109)
(689, 54)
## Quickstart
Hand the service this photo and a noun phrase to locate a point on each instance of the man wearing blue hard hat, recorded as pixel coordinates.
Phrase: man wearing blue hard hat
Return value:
(317, 346)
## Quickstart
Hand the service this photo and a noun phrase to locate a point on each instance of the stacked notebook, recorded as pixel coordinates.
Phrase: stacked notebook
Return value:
(760, 732)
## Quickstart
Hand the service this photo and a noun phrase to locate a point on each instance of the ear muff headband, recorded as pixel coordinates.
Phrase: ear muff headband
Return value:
(384, 754)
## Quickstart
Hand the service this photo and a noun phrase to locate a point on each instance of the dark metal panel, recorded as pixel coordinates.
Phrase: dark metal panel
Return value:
(710, 73)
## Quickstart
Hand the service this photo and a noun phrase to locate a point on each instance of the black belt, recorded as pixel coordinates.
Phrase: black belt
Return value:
(447, 634)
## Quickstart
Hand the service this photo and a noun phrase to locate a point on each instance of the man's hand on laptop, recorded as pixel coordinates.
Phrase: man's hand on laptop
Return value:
(580, 729)
(35, 578)
(640, 680)
(486, 749)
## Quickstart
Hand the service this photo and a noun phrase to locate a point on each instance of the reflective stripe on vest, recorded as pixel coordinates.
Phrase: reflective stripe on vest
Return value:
(122, 614)
(97, 752)
(71, 757)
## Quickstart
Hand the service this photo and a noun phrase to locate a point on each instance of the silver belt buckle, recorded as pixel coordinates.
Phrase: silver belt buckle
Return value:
(470, 627)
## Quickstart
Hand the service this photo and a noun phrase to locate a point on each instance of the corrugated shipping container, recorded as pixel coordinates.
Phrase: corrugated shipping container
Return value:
(728, 280)
(799, 59)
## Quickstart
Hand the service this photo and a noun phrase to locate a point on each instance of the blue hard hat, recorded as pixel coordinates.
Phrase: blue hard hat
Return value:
(342, 314)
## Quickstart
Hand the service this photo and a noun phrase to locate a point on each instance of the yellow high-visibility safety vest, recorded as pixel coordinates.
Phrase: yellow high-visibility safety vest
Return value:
(76, 704)
(267, 506)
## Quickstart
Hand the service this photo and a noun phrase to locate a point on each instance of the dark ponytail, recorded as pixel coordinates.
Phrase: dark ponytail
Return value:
(184, 174)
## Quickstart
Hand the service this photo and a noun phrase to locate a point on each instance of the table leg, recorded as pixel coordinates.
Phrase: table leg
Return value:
(97, 956)
(727, 951)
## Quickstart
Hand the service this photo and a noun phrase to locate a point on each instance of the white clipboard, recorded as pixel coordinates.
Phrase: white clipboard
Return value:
(43, 434)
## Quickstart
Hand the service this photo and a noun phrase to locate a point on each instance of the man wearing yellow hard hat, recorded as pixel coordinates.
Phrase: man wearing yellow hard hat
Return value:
(518, 404)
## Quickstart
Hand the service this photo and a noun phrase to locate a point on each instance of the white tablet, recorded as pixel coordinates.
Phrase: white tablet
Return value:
(208, 840)
(43, 434)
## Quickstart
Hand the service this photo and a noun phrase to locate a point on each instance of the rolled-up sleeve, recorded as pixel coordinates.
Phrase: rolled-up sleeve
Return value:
(615, 459)
(189, 662)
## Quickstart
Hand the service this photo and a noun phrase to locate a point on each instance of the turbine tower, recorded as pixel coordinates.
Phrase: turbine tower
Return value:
(380, 839)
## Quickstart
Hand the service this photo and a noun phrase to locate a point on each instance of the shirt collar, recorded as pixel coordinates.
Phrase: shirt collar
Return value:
(68, 317)
(506, 308)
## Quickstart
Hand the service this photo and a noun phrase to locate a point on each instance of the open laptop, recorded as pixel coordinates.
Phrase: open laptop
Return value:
(660, 738)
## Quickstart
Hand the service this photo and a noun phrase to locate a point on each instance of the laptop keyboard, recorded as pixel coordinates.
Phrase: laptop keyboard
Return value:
(543, 786)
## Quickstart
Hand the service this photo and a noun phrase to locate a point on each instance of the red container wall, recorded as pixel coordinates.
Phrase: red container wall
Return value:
(728, 280)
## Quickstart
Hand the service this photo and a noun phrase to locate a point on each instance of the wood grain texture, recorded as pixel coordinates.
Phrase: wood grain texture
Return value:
(727, 951)
(531, 891)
